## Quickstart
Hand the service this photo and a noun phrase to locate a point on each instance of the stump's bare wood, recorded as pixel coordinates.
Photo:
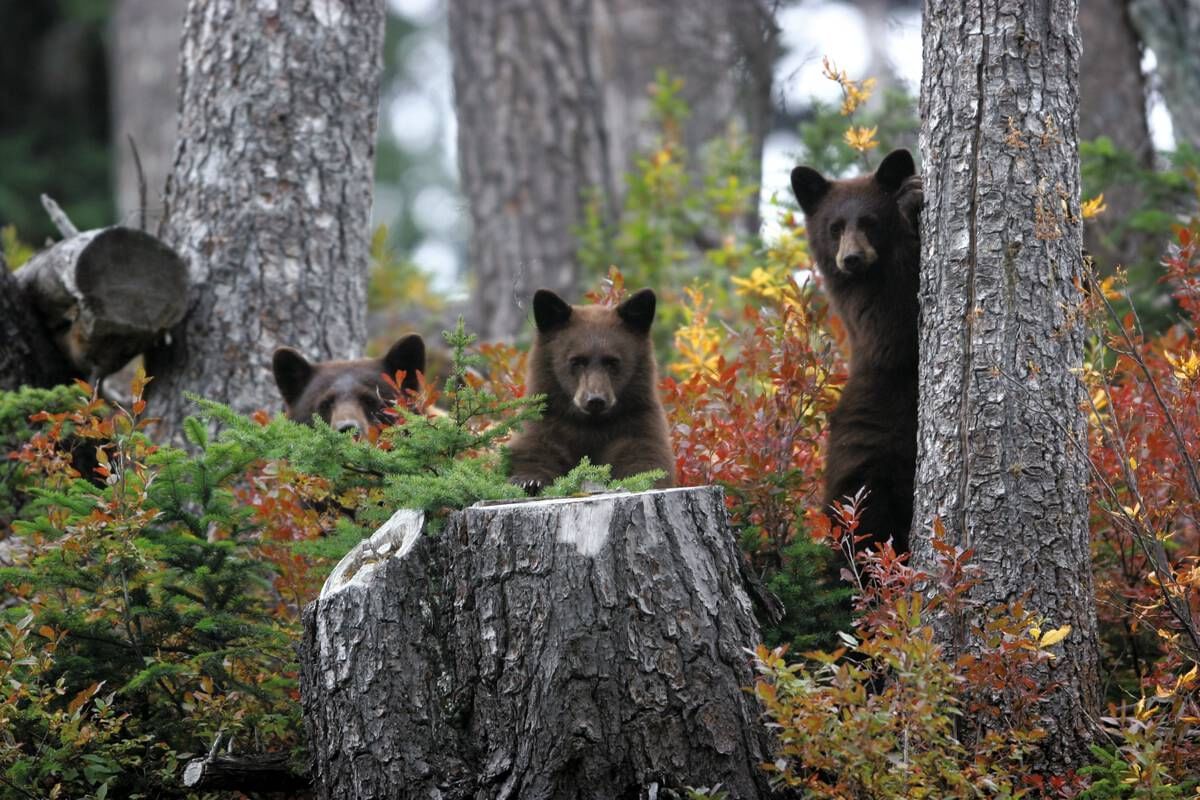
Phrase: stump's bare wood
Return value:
(582, 648)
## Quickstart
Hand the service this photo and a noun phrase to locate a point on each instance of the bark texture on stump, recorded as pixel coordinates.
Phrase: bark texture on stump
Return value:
(583, 648)
(270, 195)
(1001, 438)
(552, 103)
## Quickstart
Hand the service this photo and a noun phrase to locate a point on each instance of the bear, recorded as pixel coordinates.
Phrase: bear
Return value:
(349, 395)
(864, 235)
(595, 365)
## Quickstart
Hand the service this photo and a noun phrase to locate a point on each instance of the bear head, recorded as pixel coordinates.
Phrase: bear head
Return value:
(349, 395)
(594, 363)
(854, 226)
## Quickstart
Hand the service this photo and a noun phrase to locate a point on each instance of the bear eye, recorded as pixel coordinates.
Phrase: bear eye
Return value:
(836, 228)
(610, 362)
(578, 362)
(868, 222)
(325, 408)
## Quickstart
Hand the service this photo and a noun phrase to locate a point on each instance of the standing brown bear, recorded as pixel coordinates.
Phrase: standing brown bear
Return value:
(864, 235)
(349, 395)
(595, 365)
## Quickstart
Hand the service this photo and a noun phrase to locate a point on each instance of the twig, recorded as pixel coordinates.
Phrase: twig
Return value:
(141, 176)
(59, 217)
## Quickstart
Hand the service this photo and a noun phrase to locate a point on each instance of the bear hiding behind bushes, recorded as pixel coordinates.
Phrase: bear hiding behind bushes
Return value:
(864, 236)
(595, 365)
(349, 395)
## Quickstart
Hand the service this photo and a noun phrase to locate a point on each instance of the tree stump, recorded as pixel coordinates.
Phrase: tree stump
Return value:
(105, 295)
(576, 648)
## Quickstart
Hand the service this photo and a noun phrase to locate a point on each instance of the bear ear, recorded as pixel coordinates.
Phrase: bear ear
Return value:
(894, 168)
(292, 373)
(809, 186)
(549, 310)
(408, 354)
(638, 310)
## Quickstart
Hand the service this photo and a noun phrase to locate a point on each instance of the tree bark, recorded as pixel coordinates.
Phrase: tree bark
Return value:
(1112, 99)
(144, 74)
(269, 198)
(552, 102)
(1171, 29)
(1001, 438)
(582, 648)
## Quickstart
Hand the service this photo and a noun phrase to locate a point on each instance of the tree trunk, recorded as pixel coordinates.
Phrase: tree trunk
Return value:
(1171, 29)
(1001, 439)
(144, 72)
(269, 198)
(552, 102)
(1112, 100)
(582, 648)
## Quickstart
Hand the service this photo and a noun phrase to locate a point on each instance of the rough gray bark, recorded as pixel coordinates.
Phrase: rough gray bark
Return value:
(1001, 440)
(584, 648)
(1171, 29)
(105, 295)
(1112, 103)
(28, 356)
(269, 198)
(144, 75)
(552, 101)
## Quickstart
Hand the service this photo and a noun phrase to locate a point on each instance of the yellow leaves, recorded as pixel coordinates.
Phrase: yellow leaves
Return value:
(1051, 638)
(862, 139)
(697, 344)
(1184, 367)
(854, 93)
(1094, 207)
(762, 283)
(1108, 287)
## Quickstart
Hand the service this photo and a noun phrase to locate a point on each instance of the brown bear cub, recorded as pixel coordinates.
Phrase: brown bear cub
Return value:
(349, 395)
(864, 235)
(595, 365)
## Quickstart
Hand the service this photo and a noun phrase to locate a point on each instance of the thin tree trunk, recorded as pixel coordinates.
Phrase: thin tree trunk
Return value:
(144, 71)
(1001, 441)
(588, 648)
(269, 199)
(1112, 103)
(1171, 28)
(552, 103)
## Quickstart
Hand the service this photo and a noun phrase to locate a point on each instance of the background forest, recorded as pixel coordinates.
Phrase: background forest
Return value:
(154, 575)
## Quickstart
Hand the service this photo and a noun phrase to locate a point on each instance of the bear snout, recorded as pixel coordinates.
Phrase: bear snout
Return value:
(594, 403)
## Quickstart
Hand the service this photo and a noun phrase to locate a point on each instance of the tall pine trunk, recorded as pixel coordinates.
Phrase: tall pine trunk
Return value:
(1171, 28)
(552, 101)
(269, 199)
(1002, 458)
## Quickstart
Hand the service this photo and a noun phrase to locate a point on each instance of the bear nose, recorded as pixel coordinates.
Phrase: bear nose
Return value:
(852, 262)
(349, 425)
(596, 404)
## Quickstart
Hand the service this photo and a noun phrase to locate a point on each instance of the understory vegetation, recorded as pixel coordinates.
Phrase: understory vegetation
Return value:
(153, 596)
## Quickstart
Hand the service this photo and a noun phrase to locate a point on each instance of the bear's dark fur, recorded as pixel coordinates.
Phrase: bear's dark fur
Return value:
(864, 236)
(595, 365)
(349, 395)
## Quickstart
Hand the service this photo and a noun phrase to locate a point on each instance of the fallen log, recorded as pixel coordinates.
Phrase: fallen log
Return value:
(265, 773)
(577, 648)
(104, 295)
